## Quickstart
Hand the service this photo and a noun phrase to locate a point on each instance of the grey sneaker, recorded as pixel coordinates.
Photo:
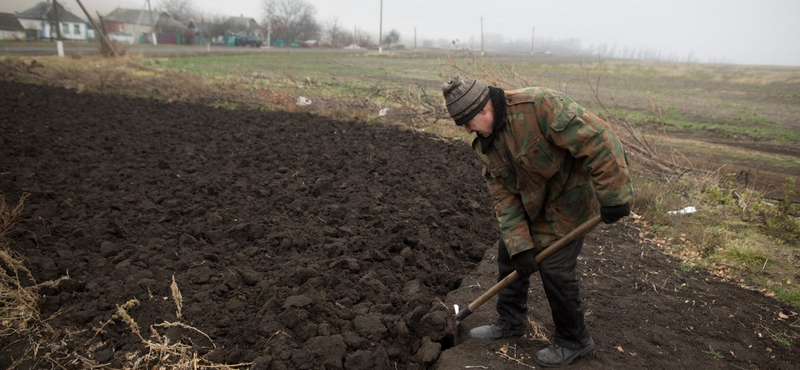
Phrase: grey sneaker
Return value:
(494, 331)
(557, 356)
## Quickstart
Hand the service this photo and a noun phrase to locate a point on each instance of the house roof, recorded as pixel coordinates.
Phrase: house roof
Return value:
(148, 18)
(168, 23)
(9, 22)
(241, 21)
(44, 10)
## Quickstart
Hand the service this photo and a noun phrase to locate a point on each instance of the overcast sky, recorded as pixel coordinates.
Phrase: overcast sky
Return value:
(731, 31)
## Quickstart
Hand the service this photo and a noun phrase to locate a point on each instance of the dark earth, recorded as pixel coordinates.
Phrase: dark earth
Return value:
(301, 242)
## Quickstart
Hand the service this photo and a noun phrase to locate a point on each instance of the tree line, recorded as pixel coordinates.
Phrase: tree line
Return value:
(295, 21)
(290, 20)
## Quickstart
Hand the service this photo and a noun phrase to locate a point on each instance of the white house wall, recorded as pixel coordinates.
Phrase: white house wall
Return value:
(72, 33)
(12, 35)
(123, 38)
(32, 24)
(131, 28)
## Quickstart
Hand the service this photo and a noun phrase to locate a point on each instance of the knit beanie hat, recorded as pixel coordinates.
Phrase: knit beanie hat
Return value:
(465, 97)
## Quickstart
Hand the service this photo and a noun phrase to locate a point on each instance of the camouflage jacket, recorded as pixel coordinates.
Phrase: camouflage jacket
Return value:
(549, 166)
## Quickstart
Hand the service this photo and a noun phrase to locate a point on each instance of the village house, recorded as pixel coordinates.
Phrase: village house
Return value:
(244, 25)
(142, 26)
(39, 23)
(10, 28)
(242, 28)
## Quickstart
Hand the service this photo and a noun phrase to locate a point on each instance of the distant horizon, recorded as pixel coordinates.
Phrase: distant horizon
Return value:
(735, 32)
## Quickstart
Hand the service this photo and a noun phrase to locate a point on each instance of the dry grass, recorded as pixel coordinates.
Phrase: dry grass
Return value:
(29, 341)
(9, 215)
(510, 353)
(20, 313)
(177, 297)
(21, 326)
(538, 331)
(161, 351)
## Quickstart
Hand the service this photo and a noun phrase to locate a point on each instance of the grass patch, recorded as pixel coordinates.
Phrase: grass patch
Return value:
(746, 124)
(736, 234)
(299, 66)
(789, 294)
(782, 339)
(732, 152)
(751, 254)
(716, 354)
(750, 130)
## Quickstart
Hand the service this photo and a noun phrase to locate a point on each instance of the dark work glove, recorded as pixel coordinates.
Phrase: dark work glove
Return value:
(611, 214)
(525, 263)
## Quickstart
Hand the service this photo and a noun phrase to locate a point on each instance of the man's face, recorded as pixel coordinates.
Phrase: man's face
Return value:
(482, 123)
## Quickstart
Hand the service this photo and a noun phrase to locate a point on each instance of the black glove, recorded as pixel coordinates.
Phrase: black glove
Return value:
(525, 263)
(611, 214)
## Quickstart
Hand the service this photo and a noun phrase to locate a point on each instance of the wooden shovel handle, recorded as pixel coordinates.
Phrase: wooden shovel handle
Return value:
(578, 232)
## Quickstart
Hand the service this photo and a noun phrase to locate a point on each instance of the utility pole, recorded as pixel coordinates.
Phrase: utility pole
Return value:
(481, 35)
(380, 32)
(99, 30)
(138, 22)
(152, 23)
(415, 38)
(532, 36)
(57, 23)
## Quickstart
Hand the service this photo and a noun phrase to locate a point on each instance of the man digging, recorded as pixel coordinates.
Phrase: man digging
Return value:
(547, 161)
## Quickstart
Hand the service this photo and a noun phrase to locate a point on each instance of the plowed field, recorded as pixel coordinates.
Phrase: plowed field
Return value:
(300, 242)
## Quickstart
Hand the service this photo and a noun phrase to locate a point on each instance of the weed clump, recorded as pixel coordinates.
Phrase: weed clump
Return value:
(783, 221)
(736, 233)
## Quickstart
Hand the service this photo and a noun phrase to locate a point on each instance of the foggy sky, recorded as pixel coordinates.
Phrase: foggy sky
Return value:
(730, 31)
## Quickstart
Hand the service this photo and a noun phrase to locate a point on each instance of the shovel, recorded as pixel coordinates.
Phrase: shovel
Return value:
(578, 232)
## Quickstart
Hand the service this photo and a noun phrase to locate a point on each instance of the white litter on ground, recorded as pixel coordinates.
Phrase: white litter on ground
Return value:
(685, 211)
(303, 101)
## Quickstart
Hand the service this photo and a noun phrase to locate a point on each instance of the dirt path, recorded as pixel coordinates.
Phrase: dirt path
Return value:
(299, 242)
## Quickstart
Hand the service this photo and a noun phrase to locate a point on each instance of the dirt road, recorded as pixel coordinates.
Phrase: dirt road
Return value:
(299, 242)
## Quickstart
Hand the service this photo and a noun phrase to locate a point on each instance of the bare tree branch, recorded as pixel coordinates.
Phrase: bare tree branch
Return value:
(292, 20)
(182, 10)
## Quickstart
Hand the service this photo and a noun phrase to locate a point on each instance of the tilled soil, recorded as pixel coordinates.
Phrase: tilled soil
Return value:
(644, 311)
(299, 242)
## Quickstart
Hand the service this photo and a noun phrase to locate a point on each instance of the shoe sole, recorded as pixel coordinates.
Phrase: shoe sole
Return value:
(496, 338)
(579, 354)
(502, 335)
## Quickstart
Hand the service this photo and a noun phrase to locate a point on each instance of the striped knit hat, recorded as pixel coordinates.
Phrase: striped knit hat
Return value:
(465, 97)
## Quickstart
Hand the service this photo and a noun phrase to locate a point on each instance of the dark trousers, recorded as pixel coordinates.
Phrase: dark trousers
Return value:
(559, 274)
